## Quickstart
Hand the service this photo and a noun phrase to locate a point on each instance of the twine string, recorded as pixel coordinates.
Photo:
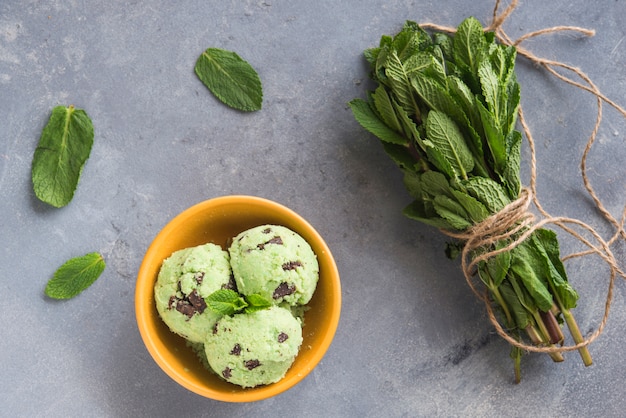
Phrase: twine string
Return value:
(515, 222)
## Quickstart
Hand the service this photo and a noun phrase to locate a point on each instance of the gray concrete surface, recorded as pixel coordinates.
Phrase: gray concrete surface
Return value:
(412, 340)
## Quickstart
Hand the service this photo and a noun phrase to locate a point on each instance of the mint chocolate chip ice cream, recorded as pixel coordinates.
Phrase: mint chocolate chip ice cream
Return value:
(276, 263)
(252, 349)
(185, 279)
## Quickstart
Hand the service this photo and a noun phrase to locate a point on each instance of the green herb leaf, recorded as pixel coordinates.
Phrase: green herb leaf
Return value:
(469, 48)
(453, 212)
(446, 137)
(401, 84)
(76, 275)
(547, 245)
(63, 149)
(477, 211)
(256, 303)
(385, 108)
(487, 191)
(366, 117)
(527, 266)
(231, 79)
(225, 302)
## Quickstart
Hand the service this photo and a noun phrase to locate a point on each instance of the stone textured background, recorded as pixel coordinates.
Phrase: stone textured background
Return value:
(412, 340)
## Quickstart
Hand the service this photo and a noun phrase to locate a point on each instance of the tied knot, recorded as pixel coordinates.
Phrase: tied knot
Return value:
(514, 223)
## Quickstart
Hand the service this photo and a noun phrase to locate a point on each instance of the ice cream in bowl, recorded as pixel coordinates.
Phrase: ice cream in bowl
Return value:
(238, 298)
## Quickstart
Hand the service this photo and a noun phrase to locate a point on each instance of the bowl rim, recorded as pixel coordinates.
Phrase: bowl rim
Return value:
(143, 311)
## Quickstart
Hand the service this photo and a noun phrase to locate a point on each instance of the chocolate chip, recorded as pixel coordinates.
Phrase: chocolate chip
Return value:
(276, 240)
(189, 305)
(232, 284)
(197, 301)
(215, 328)
(236, 350)
(267, 230)
(292, 265)
(227, 373)
(185, 308)
(282, 337)
(283, 289)
(251, 364)
(172, 302)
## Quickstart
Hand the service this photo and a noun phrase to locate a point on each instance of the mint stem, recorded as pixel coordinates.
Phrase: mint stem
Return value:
(577, 336)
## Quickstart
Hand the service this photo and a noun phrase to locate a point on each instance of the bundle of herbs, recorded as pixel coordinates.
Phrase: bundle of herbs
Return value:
(445, 109)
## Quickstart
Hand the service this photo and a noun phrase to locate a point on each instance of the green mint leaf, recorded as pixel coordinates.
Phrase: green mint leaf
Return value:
(476, 210)
(487, 191)
(400, 155)
(527, 265)
(452, 211)
(63, 149)
(385, 108)
(447, 139)
(257, 303)
(546, 244)
(469, 48)
(496, 140)
(400, 84)
(76, 275)
(225, 302)
(366, 117)
(520, 315)
(418, 212)
(231, 79)
(511, 174)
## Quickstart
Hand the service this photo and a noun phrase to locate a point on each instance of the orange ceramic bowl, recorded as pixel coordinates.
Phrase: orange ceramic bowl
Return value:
(217, 220)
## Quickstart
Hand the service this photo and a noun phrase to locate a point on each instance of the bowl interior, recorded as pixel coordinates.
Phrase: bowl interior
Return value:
(216, 221)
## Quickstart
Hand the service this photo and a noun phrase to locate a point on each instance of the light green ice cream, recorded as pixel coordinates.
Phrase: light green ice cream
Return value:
(251, 349)
(275, 262)
(185, 279)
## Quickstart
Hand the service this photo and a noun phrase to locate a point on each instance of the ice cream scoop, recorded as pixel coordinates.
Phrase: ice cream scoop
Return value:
(276, 263)
(185, 279)
(252, 349)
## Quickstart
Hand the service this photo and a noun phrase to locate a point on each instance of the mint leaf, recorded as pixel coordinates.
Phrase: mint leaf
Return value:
(446, 138)
(76, 275)
(366, 117)
(231, 79)
(400, 84)
(257, 303)
(225, 302)
(63, 149)
(469, 48)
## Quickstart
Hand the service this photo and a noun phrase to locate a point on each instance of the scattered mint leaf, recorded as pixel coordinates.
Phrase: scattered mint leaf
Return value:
(63, 149)
(225, 302)
(231, 79)
(257, 303)
(76, 275)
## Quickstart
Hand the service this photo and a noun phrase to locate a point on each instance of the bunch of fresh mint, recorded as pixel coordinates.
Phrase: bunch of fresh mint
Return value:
(445, 109)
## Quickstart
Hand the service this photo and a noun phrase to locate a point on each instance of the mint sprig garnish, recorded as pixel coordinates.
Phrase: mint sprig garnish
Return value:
(63, 149)
(229, 302)
(231, 79)
(75, 275)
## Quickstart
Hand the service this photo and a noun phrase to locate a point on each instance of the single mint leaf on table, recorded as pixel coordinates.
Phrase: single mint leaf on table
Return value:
(74, 276)
(63, 149)
(231, 79)
(225, 302)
